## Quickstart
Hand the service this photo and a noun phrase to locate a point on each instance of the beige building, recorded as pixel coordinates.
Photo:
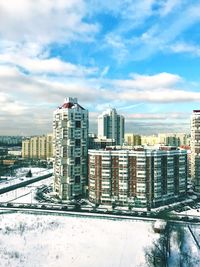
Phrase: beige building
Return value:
(26, 148)
(132, 139)
(49, 146)
(167, 139)
(38, 147)
(149, 140)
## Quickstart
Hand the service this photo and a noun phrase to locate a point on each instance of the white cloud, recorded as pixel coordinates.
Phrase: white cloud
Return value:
(34, 98)
(33, 82)
(185, 48)
(173, 19)
(43, 89)
(54, 66)
(142, 82)
(160, 96)
(158, 88)
(10, 106)
(157, 116)
(44, 21)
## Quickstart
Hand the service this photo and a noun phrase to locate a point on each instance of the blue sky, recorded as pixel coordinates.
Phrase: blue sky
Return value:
(141, 57)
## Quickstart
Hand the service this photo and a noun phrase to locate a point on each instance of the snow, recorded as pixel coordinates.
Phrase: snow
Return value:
(192, 212)
(24, 194)
(21, 176)
(184, 251)
(28, 240)
(160, 225)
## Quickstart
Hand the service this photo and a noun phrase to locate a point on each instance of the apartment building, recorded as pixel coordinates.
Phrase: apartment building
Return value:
(174, 139)
(38, 147)
(132, 139)
(10, 140)
(111, 126)
(140, 177)
(96, 143)
(195, 149)
(70, 145)
(149, 140)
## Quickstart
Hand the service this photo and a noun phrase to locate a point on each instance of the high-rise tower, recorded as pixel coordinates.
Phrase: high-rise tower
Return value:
(70, 133)
(195, 149)
(111, 125)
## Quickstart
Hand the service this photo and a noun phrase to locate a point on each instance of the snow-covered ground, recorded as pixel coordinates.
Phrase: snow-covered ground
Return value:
(29, 240)
(21, 175)
(191, 212)
(55, 241)
(24, 194)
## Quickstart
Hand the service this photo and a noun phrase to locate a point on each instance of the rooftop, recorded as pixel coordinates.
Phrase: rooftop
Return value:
(70, 103)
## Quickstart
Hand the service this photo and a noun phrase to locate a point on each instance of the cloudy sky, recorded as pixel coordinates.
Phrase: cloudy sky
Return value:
(142, 57)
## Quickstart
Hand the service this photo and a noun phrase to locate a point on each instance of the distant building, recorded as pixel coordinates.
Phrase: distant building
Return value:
(141, 177)
(173, 139)
(16, 152)
(149, 140)
(10, 140)
(70, 140)
(95, 143)
(195, 149)
(38, 147)
(111, 126)
(132, 139)
(49, 146)
(167, 139)
(3, 151)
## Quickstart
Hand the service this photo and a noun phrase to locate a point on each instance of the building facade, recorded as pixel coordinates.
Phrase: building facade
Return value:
(38, 147)
(132, 139)
(195, 149)
(149, 140)
(173, 139)
(141, 178)
(70, 134)
(111, 126)
(96, 143)
(11, 140)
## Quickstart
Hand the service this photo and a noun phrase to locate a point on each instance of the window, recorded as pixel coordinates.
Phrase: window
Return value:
(71, 133)
(77, 179)
(77, 160)
(77, 142)
(78, 124)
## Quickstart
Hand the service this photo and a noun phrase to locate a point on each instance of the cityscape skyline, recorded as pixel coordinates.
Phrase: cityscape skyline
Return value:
(145, 65)
(100, 133)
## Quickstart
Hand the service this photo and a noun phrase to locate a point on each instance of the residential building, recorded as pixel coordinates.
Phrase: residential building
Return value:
(132, 139)
(138, 177)
(111, 126)
(10, 140)
(149, 140)
(38, 147)
(49, 146)
(96, 143)
(167, 139)
(70, 140)
(26, 148)
(173, 139)
(195, 149)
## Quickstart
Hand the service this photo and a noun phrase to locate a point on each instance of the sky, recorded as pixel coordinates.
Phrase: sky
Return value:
(140, 57)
